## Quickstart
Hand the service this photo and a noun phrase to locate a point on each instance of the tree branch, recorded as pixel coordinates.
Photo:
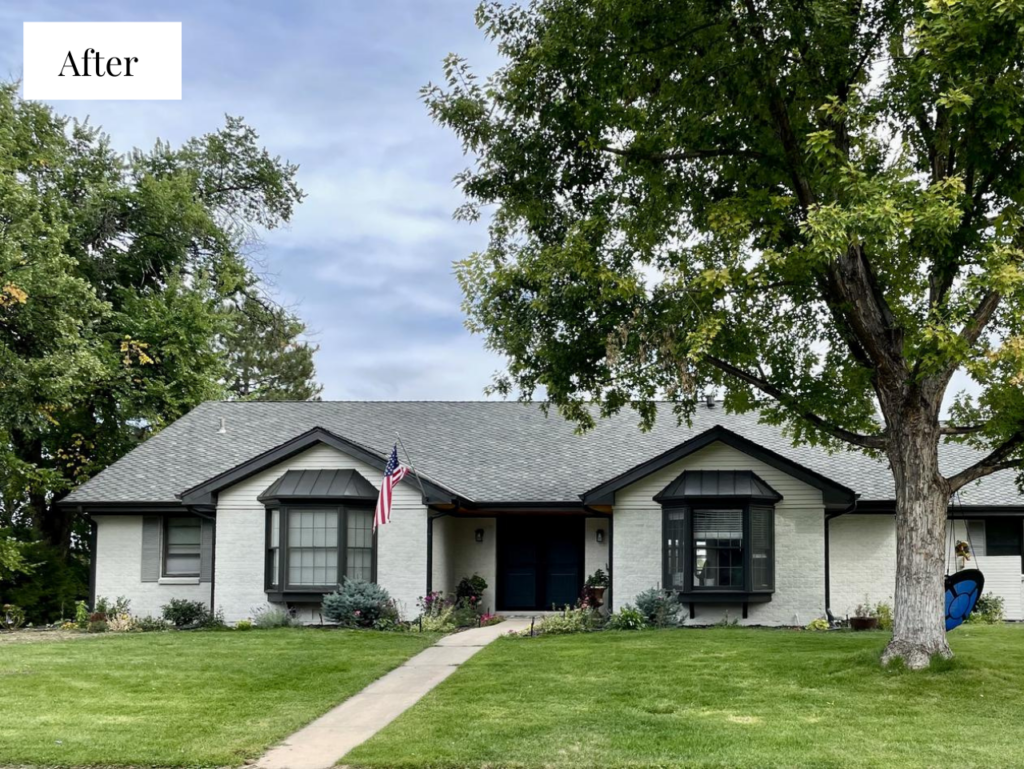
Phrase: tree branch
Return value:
(957, 430)
(995, 461)
(631, 152)
(864, 441)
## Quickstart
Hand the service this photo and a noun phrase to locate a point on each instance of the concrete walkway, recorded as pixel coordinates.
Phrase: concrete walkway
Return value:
(320, 744)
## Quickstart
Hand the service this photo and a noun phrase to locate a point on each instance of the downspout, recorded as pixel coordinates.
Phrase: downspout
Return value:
(430, 545)
(828, 565)
(213, 555)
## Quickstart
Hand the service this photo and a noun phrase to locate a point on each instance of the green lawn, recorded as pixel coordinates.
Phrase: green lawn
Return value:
(718, 697)
(181, 699)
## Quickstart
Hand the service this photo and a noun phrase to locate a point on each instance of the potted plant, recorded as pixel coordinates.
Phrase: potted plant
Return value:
(594, 588)
(865, 617)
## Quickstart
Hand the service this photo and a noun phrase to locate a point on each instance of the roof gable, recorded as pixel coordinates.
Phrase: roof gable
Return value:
(205, 493)
(834, 494)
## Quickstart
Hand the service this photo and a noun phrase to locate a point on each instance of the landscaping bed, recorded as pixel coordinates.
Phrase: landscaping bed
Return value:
(715, 697)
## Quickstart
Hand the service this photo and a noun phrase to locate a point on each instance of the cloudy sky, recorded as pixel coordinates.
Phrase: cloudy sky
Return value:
(332, 86)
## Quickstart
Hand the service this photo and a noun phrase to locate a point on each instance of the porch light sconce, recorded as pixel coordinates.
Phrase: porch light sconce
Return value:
(600, 536)
(479, 535)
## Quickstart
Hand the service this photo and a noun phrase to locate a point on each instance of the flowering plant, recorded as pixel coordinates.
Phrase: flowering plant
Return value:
(963, 550)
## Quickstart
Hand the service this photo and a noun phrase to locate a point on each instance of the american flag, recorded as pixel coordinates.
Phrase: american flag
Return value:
(393, 473)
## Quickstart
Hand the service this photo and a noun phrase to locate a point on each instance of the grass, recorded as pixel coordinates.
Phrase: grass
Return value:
(716, 697)
(180, 699)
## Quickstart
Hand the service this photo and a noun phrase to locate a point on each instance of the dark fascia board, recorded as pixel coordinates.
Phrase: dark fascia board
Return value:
(205, 493)
(327, 501)
(127, 508)
(888, 507)
(832, 493)
(539, 506)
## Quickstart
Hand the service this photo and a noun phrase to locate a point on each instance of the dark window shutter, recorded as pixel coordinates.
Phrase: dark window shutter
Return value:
(151, 525)
(206, 552)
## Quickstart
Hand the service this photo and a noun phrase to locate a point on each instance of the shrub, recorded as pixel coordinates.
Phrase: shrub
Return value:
(572, 620)
(96, 626)
(660, 608)
(184, 613)
(149, 624)
(244, 624)
(211, 620)
(359, 604)
(471, 589)
(122, 623)
(267, 617)
(13, 617)
(119, 606)
(81, 614)
(490, 619)
(465, 613)
(988, 611)
(817, 624)
(439, 621)
(432, 603)
(884, 613)
(627, 618)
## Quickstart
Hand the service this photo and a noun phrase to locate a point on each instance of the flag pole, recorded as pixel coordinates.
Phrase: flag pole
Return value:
(411, 465)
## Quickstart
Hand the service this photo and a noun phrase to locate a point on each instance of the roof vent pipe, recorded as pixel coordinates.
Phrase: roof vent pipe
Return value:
(710, 398)
(223, 426)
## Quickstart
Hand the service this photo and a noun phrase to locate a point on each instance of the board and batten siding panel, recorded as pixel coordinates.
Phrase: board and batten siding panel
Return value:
(799, 541)
(241, 529)
(118, 557)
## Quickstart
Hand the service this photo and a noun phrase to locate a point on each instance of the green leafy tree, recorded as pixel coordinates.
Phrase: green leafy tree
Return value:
(114, 273)
(267, 358)
(815, 206)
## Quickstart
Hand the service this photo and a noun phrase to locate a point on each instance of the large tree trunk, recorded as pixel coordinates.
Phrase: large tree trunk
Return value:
(922, 498)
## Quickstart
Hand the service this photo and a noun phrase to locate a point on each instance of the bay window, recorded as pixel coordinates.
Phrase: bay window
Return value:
(311, 548)
(718, 550)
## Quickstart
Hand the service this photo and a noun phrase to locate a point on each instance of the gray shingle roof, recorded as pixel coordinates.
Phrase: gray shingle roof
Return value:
(485, 451)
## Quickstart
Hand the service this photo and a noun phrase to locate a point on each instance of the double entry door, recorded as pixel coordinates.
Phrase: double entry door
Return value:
(540, 562)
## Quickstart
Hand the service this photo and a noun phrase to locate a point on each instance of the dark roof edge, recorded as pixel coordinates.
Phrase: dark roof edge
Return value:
(832, 492)
(888, 507)
(204, 493)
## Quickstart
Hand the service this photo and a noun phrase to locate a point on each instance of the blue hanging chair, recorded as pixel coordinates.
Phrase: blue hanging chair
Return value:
(962, 592)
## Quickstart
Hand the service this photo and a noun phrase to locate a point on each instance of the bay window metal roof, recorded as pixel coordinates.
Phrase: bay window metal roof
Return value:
(705, 484)
(298, 485)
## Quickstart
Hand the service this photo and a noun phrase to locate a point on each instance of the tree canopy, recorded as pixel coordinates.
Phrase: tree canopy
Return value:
(119, 275)
(815, 206)
(267, 359)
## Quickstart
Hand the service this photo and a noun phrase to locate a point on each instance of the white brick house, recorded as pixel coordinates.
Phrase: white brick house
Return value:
(240, 505)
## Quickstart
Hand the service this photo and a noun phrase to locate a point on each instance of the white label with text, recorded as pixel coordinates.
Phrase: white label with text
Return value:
(102, 60)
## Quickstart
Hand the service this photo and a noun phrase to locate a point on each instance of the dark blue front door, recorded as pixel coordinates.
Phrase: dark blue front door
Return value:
(540, 562)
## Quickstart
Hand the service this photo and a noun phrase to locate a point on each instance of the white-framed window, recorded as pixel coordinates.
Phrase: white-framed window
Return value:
(183, 538)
